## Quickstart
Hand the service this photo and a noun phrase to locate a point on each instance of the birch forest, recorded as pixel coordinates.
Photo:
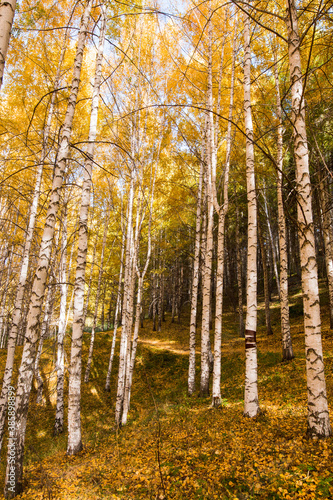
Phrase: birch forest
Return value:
(166, 249)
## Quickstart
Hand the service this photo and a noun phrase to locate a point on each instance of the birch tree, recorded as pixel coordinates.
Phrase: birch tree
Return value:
(251, 404)
(39, 282)
(287, 349)
(7, 12)
(74, 444)
(318, 415)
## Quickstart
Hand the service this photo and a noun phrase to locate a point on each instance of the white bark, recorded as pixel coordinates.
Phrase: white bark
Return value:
(74, 444)
(327, 235)
(195, 286)
(206, 288)
(18, 303)
(318, 415)
(141, 276)
(222, 210)
(38, 288)
(116, 314)
(272, 244)
(126, 311)
(86, 305)
(98, 292)
(251, 404)
(287, 348)
(7, 12)
(60, 363)
(239, 276)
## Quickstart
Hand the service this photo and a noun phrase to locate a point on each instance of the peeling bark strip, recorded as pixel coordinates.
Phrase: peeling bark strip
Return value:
(250, 339)
(7, 12)
(38, 288)
(318, 416)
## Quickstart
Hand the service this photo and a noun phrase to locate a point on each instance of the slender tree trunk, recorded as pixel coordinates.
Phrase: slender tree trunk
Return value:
(272, 244)
(206, 288)
(327, 234)
(74, 444)
(239, 277)
(287, 348)
(60, 363)
(126, 312)
(43, 332)
(116, 315)
(222, 211)
(141, 276)
(85, 310)
(14, 486)
(318, 415)
(98, 292)
(251, 404)
(7, 12)
(195, 286)
(269, 330)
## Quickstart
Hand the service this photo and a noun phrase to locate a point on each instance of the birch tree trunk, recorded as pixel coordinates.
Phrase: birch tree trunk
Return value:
(7, 12)
(86, 305)
(269, 330)
(318, 415)
(251, 404)
(43, 331)
(116, 314)
(222, 211)
(195, 286)
(19, 303)
(287, 348)
(74, 444)
(327, 235)
(14, 487)
(271, 240)
(126, 315)
(60, 363)
(239, 277)
(98, 292)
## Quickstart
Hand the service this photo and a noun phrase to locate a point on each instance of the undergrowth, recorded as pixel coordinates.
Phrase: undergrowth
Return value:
(177, 447)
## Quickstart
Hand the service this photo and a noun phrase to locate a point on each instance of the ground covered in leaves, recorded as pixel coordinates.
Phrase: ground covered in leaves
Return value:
(176, 447)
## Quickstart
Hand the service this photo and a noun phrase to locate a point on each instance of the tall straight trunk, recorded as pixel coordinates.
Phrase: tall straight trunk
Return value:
(43, 332)
(126, 312)
(74, 444)
(141, 276)
(287, 348)
(318, 415)
(155, 294)
(45, 327)
(4, 296)
(206, 287)
(60, 362)
(324, 201)
(19, 302)
(222, 211)
(251, 404)
(272, 244)
(239, 276)
(14, 486)
(98, 292)
(269, 330)
(195, 286)
(116, 314)
(7, 11)
(86, 305)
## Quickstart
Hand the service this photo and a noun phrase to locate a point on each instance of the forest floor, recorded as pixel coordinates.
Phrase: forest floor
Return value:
(177, 447)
